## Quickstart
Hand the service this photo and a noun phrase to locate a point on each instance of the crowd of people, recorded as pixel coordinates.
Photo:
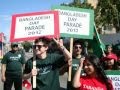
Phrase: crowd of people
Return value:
(88, 71)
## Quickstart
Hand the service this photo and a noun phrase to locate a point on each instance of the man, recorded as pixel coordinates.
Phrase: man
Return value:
(77, 55)
(12, 67)
(47, 64)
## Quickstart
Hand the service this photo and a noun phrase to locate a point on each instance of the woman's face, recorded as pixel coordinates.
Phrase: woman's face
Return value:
(89, 68)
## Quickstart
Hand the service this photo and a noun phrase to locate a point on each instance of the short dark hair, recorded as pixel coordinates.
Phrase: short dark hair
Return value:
(109, 45)
(45, 40)
(78, 42)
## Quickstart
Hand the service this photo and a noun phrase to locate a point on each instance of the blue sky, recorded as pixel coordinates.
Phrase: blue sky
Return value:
(10, 7)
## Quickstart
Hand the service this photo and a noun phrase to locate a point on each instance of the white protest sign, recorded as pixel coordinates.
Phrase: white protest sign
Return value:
(31, 25)
(75, 22)
(114, 76)
(115, 81)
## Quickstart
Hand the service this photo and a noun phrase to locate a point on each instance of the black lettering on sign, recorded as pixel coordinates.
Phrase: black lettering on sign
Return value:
(70, 24)
(117, 84)
(36, 32)
(35, 27)
(72, 19)
(34, 23)
(72, 30)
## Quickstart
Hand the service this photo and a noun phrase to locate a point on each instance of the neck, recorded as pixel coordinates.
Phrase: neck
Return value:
(93, 75)
(110, 67)
(42, 56)
(78, 56)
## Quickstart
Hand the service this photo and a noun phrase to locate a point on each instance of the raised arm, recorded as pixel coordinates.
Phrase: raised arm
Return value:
(76, 79)
(66, 53)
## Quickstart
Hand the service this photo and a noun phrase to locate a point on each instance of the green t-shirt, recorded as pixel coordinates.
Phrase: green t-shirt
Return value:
(48, 71)
(14, 62)
(75, 65)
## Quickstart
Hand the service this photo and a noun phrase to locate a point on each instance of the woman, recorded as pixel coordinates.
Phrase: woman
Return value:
(110, 62)
(95, 78)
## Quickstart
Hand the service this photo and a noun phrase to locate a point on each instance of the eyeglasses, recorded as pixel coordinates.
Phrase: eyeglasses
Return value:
(14, 45)
(76, 47)
(38, 46)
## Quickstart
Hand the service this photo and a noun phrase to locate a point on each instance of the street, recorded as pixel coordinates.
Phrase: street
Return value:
(63, 78)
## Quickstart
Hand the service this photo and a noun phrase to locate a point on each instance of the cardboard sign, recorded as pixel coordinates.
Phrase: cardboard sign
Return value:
(29, 26)
(75, 22)
(114, 76)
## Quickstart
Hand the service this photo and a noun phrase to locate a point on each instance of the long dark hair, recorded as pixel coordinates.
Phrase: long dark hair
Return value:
(94, 60)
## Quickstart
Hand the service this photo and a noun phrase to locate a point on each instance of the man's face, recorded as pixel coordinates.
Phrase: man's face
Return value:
(15, 47)
(77, 49)
(40, 48)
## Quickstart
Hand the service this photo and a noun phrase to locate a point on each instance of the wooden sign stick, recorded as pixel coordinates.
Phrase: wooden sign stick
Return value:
(34, 67)
(70, 66)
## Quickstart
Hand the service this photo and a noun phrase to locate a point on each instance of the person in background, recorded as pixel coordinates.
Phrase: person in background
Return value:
(110, 62)
(47, 64)
(109, 50)
(95, 78)
(78, 48)
(12, 68)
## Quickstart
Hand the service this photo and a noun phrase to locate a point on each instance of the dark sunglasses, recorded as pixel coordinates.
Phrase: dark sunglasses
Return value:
(76, 47)
(38, 46)
(14, 45)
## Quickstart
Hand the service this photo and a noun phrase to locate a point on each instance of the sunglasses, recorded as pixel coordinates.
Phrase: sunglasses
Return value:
(76, 47)
(38, 46)
(14, 45)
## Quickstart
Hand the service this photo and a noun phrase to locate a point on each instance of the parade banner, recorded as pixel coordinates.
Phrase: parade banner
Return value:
(114, 76)
(75, 22)
(29, 26)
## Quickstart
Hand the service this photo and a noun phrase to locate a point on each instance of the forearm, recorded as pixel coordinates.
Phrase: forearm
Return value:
(3, 69)
(66, 53)
(76, 79)
(27, 76)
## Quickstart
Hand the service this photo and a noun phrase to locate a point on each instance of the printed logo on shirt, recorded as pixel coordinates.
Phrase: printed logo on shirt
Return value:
(75, 66)
(44, 70)
(15, 58)
(91, 87)
(19, 55)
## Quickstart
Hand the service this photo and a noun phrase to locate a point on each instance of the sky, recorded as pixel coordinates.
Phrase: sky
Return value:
(11, 7)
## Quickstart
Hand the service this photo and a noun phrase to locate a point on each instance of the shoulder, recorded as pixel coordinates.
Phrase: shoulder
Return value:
(8, 53)
(29, 60)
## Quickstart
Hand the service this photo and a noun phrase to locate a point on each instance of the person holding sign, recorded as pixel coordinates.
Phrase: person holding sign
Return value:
(77, 55)
(95, 78)
(47, 64)
(12, 68)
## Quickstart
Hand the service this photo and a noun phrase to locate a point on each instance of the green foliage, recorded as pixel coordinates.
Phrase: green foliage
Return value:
(27, 45)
